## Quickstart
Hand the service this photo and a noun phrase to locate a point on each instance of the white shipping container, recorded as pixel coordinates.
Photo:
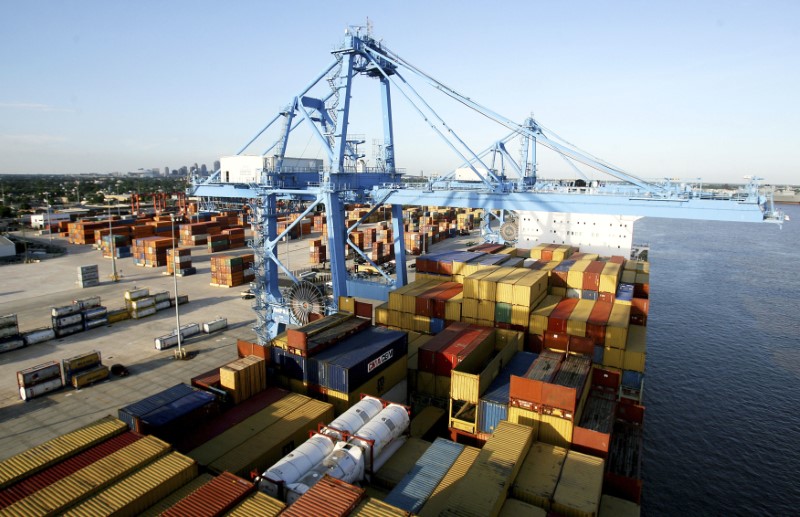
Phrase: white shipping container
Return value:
(161, 296)
(160, 306)
(190, 329)
(66, 310)
(27, 393)
(11, 344)
(87, 303)
(143, 303)
(137, 293)
(138, 314)
(35, 337)
(67, 331)
(9, 320)
(214, 326)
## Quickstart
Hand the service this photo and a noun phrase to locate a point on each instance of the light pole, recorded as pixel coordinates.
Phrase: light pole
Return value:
(179, 354)
(49, 224)
(114, 276)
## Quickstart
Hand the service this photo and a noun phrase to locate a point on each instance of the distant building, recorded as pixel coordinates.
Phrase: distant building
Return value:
(7, 248)
(40, 221)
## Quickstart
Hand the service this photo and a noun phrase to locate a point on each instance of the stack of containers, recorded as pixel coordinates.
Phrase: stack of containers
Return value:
(484, 488)
(229, 271)
(318, 252)
(494, 403)
(176, 496)
(437, 502)
(243, 378)
(179, 262)
(139, 303)
(88, 276)
(67, 319)
(121, 247)
(417, 486)
(155, 413)
(84, 369)
(548, 252)
(10, 338)
(38, 380)
(151, 251)
(94, 314)
(218, 242)
(235, 237)
(196, 234)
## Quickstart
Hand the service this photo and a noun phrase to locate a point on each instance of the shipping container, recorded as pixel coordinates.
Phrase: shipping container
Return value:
(579, 488)
(329, 497)
(494, 403)
(440, 496)
(176, 496)
(213, 498)
(483, 490)
(257, 504)
(538, 476)
(38, 374)
(89, 376)
(376, 508)
(132, 413)
(611, 506)
(377, 386)
(515, 508)
(140, 490)
(65, 492)
(58, 449)
(473, 375)
(400, 463)
(415, 488)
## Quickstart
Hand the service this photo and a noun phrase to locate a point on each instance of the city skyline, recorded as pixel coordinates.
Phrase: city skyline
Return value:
(683, 90)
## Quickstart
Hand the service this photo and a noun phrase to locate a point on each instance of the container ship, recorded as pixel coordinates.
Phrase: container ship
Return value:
(501, 381)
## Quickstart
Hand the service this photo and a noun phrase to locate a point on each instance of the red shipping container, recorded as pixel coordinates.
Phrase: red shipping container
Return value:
(557, 322)
(606, 297)
(214, 498)
(449, 357)
(591, 276)
(330, 497)
(598, 319)
(427, 352)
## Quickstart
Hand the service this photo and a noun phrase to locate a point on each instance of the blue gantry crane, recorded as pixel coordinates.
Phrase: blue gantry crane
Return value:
(491, 179)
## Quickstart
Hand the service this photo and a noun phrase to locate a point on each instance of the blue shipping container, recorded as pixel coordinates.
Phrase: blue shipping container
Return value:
(631, 379)
(178, 408)
(494, 403)
(597, 358)
(132, 413)
(295, 366)
(360, 357)
(417, 486)
(437, 325)
(625, 292)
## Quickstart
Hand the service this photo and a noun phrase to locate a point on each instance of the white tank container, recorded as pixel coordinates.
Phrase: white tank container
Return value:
(354, 418)
(143, 303)
(95, 313)
(34, 337)
(66, 310)
(137, 293)
(9, 320)
(87, 303)
(141, 313)
(385, 427)
(160, 306)
(162, 296)
(66, 321)
(27, 393)
(215, 325)
(191, 329)
(346, 463)
(8, 331)
(295, 465)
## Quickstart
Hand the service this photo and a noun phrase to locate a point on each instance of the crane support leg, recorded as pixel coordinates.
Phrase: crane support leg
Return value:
(334, 210)
(399, 245)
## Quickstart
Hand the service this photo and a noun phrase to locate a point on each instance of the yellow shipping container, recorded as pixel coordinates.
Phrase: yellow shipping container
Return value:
(475, 373)
(530, 289)
(482, 491)
(576, 324)
(415, 343)
(67, 491)
(555, 430)
(538, 476)
(441, 494)
(396, 296)
(636, 349)
(642, 278)
(561, 292)
(382, 314)
(410, 296)
(58, 449)
(609, 278)
(579, 488)
(536, 251)
(141, 489)
(425, 420)
(452, 307)
(469, 308)
(563, 252)
(281, 341)
(347, 304)
(505, 287)
(520, 315)
(421, 324)
(575, 274)
(240, 433)
(268, 446)
(257, 503)
(407, 320)
(515, 508)
(426, 383)
(401, 463)
(377, 386)
(395, 318)
(538, 320)
(376, 508)
(167, 502)
(617, 326)
(486, 310)
(613, 357)
(611, 506)
(472, 282)
(298, 386)
(487, 286)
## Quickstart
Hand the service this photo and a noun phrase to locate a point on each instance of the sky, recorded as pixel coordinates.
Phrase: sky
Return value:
(679, 89)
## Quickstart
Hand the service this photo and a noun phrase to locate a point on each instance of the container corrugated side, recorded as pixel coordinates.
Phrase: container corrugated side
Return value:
(483, 490)
(415, 488)
(214, 498)
(173, 498)
(614, 506)
(42, 456)
(330, 497)
(257, 503)
(515, 508)
(272, 443)
(538, 476)
(555, 430)
(60, 470)
(130, 413)
(376, 508)
(438, 499)
(72, 489)
(240, 433)
(580, 485)
(494, 403)
(401, 462)
(141, 489)
(377, 386)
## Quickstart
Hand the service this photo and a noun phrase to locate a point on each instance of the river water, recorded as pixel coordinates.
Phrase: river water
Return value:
(722, 388)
